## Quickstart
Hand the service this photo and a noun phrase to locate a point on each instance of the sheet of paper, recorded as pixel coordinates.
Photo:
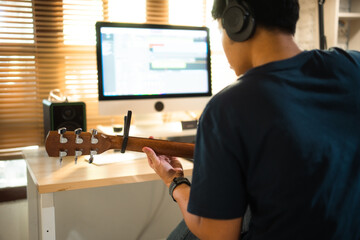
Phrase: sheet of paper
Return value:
(115, 157)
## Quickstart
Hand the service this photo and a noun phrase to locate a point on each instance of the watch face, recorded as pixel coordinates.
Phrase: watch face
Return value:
(176, 182)
(179, 180)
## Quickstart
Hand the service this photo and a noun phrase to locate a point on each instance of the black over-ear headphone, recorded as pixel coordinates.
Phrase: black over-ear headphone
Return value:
(238, 20)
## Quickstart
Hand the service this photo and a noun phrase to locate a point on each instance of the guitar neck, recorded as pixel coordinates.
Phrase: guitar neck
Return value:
(161, 147)
(84, 143)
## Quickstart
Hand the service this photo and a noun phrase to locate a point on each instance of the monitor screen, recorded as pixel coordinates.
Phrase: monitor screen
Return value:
(152, 68)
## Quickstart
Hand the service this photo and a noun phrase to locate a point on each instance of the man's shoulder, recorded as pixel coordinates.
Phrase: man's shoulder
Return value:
(343, 52)
(232, 95)
(242, 87)
(339, 55)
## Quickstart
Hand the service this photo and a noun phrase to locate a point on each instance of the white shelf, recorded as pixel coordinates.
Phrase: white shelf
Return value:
(349, 16)
(342, 23)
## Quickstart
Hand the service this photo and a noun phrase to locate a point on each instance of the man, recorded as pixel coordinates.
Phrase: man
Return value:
(284, 139)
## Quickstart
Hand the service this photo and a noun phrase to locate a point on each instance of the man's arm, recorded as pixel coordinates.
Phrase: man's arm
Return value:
(204, 228)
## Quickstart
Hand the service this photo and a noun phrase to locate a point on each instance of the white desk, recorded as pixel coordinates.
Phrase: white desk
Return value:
(112, 201)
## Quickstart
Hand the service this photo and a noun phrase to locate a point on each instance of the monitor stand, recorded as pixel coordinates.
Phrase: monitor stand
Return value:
(168, 126)
(157, 125)
(147, 120)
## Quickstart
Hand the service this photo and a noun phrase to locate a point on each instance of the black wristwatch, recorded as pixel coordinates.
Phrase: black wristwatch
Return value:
(176, 182)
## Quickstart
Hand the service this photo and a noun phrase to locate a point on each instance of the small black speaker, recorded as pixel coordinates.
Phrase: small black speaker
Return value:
(71, 115)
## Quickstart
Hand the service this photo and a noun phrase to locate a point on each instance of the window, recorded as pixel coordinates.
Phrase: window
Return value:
(12, 173)
(127, 11)
(187, 12)
(48, 45)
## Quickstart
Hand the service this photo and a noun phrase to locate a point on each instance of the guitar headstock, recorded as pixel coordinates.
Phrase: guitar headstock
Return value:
(63, 143)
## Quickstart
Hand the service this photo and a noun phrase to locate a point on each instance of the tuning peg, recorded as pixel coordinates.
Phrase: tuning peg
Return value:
(92, 153)
(62, 154)
(61, 131)
(78, 139)
(94, 140)
(78, 153)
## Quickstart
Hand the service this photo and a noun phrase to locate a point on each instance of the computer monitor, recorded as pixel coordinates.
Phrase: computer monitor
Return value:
(149, 68)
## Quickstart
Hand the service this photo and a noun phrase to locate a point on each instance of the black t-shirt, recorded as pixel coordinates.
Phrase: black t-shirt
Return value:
(285, 140)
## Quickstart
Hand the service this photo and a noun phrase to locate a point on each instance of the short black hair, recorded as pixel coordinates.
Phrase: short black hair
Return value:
(271, 14)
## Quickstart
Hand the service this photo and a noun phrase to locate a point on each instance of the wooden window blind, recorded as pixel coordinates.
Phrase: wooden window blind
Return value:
(46, 45)
(20, 113)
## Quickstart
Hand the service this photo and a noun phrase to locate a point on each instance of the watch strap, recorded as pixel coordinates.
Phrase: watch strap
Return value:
(176, 182)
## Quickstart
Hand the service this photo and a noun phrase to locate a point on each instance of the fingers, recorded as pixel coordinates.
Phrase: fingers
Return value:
(166, 167)
(151, 155)
(149, 152)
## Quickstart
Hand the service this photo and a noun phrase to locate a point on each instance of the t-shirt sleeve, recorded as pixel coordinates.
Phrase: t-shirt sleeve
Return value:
(218, 183)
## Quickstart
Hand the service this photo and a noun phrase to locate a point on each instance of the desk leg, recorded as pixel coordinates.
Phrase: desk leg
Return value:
(47, 216)
(41, 213)
(32, 196)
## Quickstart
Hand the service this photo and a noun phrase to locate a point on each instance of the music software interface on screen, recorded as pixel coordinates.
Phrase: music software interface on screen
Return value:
(141, 61)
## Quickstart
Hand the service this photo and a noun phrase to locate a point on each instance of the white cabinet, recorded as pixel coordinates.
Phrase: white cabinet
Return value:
(342, 23)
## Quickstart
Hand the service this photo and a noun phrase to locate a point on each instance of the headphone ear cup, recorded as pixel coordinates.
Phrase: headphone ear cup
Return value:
(238, 21)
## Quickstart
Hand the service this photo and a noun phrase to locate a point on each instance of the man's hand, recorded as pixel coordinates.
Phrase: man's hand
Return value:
(204, 228)
(166, 167)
